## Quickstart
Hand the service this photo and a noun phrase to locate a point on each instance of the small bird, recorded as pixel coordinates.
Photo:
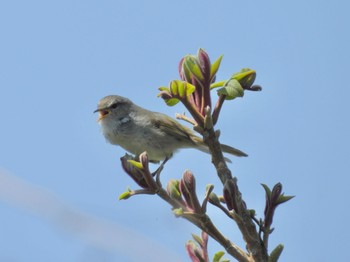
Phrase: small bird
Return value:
(137, 130)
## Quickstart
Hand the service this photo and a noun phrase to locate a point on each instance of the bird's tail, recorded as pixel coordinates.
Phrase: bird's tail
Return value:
(225, 148)
(231, 150)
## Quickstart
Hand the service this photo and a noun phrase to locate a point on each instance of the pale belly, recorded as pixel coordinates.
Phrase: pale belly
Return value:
(155, 144)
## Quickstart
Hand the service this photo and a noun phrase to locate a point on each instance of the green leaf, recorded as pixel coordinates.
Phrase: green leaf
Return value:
(267, 190)
(181, 89)
(174, 89)
(178, 212)
(173, 189)
(136, 164)
(186, 71)
(190, 63)
(218, 255)
(209, 187)
(125, 195)
(215, 67)
(276, 253)
(214, 199)
(198, 239)
(172, 101)
(190, 89)
(164, 88)
(245, 77)
(231, 89)
(252, 212)
(283, 199)
(217, 84)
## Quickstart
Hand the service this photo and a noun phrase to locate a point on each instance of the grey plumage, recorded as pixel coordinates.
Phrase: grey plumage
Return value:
(137, 130)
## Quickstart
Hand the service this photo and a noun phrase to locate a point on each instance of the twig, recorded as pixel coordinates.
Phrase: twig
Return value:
(204, 222)
(185, 118)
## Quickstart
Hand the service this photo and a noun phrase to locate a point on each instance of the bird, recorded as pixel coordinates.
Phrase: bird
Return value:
(137, 130)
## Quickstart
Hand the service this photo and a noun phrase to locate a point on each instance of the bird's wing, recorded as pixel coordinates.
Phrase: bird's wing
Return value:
(174, 129)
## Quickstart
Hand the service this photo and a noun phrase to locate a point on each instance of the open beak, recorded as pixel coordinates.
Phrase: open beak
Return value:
(102, 113)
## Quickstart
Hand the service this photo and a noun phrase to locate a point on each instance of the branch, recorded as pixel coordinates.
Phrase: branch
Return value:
(243, 218)
(182, 197)
(204, 222)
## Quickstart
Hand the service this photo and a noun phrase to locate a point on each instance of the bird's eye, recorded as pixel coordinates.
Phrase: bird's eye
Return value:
(115, 105)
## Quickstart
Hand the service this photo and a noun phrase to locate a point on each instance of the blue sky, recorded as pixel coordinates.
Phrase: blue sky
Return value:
(59, 178)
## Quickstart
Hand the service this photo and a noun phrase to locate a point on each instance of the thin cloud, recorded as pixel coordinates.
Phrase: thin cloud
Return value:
(96, 232)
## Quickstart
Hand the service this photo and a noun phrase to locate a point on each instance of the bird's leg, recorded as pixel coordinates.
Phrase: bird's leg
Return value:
(160, 168)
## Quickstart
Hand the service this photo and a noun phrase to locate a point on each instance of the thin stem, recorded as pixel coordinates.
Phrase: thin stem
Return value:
(217, 108)
(185, 118)
(266, 234)
(194, 112)
(206, 95)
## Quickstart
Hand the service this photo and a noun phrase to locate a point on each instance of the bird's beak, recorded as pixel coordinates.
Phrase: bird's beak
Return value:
(103, 112)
